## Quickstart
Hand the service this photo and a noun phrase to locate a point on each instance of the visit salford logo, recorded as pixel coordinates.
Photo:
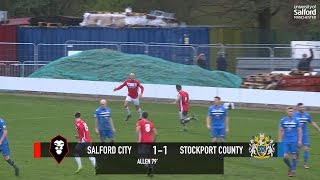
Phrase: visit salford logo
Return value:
(59, 148)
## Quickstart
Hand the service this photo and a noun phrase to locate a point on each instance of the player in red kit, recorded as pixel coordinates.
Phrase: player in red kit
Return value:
(84, 140)
(133, 96)
(146, 132)
(146, 135)
(183, 103)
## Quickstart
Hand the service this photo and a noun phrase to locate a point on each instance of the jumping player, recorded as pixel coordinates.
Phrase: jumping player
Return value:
(84, 140)
(183, 102)
(133, 96)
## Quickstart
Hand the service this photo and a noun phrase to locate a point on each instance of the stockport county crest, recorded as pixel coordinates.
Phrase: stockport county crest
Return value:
(261, 147)
(59, 148)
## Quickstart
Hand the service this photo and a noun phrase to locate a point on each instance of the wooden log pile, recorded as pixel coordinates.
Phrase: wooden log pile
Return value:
(261, 81)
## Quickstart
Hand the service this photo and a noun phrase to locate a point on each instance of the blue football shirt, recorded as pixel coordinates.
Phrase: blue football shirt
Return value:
(290, 126)
(3, 127)
(218, 115)
(103, 116)
(304, 118)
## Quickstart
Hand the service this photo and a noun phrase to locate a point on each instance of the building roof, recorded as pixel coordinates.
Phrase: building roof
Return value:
(17, 21)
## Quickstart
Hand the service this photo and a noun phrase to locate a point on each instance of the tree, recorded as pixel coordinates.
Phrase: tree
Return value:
(246, 13)
(23, 8)
(30, 8)
(262, 14)
(109, 5)
(4, 5)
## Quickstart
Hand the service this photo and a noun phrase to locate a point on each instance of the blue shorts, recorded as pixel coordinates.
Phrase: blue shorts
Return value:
(104, 134)
(4, 149)
(290, 147)
(218, 132)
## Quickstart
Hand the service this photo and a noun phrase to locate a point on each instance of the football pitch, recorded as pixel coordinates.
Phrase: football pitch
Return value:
(31, 119)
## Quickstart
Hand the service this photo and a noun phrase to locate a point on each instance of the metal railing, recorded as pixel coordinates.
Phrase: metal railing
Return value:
(17, 51)
(125, 47)
(183, 54)
(8, 68)
(22, 59)
(29, 67)
(100, 42)
(50, 52)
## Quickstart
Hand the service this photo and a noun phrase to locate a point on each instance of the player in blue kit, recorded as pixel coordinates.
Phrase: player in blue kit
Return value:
(103, 122)
(218, 121)
(305, 118)
(4, 146)
(290, 133)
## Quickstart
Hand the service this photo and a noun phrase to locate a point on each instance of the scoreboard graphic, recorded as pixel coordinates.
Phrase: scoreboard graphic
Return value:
(166, 158)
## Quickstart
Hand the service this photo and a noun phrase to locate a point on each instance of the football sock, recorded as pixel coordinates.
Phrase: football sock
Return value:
(306, 157)
(182, 122)
(287, 161)
(185, 128)
(127, 110)
(78, 160)
(150, 171)
(294, 164)
(11, 162)
(186, 120)
(93, 161)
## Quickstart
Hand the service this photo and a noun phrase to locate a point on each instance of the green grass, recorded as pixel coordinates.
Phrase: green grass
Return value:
(31, 119)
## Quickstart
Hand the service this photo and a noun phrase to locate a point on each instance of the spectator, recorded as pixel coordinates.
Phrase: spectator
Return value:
(221, 62)
(202, 61)
(304, 63)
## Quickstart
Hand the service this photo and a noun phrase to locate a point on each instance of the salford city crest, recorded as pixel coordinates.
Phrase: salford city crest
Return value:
(59, 148)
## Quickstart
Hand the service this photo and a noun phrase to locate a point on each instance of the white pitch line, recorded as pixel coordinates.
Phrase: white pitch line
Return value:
(41, 117)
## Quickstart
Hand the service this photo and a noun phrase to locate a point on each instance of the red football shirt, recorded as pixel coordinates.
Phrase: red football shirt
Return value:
(83, 131)
(184, 101)
(146, 129)
(133, 87)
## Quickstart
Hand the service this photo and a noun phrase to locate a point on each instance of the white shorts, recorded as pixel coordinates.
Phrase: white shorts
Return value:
(135, 101)
(183, 114)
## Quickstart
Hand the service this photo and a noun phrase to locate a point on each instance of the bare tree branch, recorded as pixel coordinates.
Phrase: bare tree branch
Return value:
(276, 11)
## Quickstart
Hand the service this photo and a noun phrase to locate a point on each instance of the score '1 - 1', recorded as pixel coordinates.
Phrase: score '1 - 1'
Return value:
(163, 150)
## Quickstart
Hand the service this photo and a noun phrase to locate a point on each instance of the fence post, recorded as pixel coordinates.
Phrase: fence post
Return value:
(36, 53)
(22, 70)
(7, 69)
(146, 51)
(272, 58)
(196, 51)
